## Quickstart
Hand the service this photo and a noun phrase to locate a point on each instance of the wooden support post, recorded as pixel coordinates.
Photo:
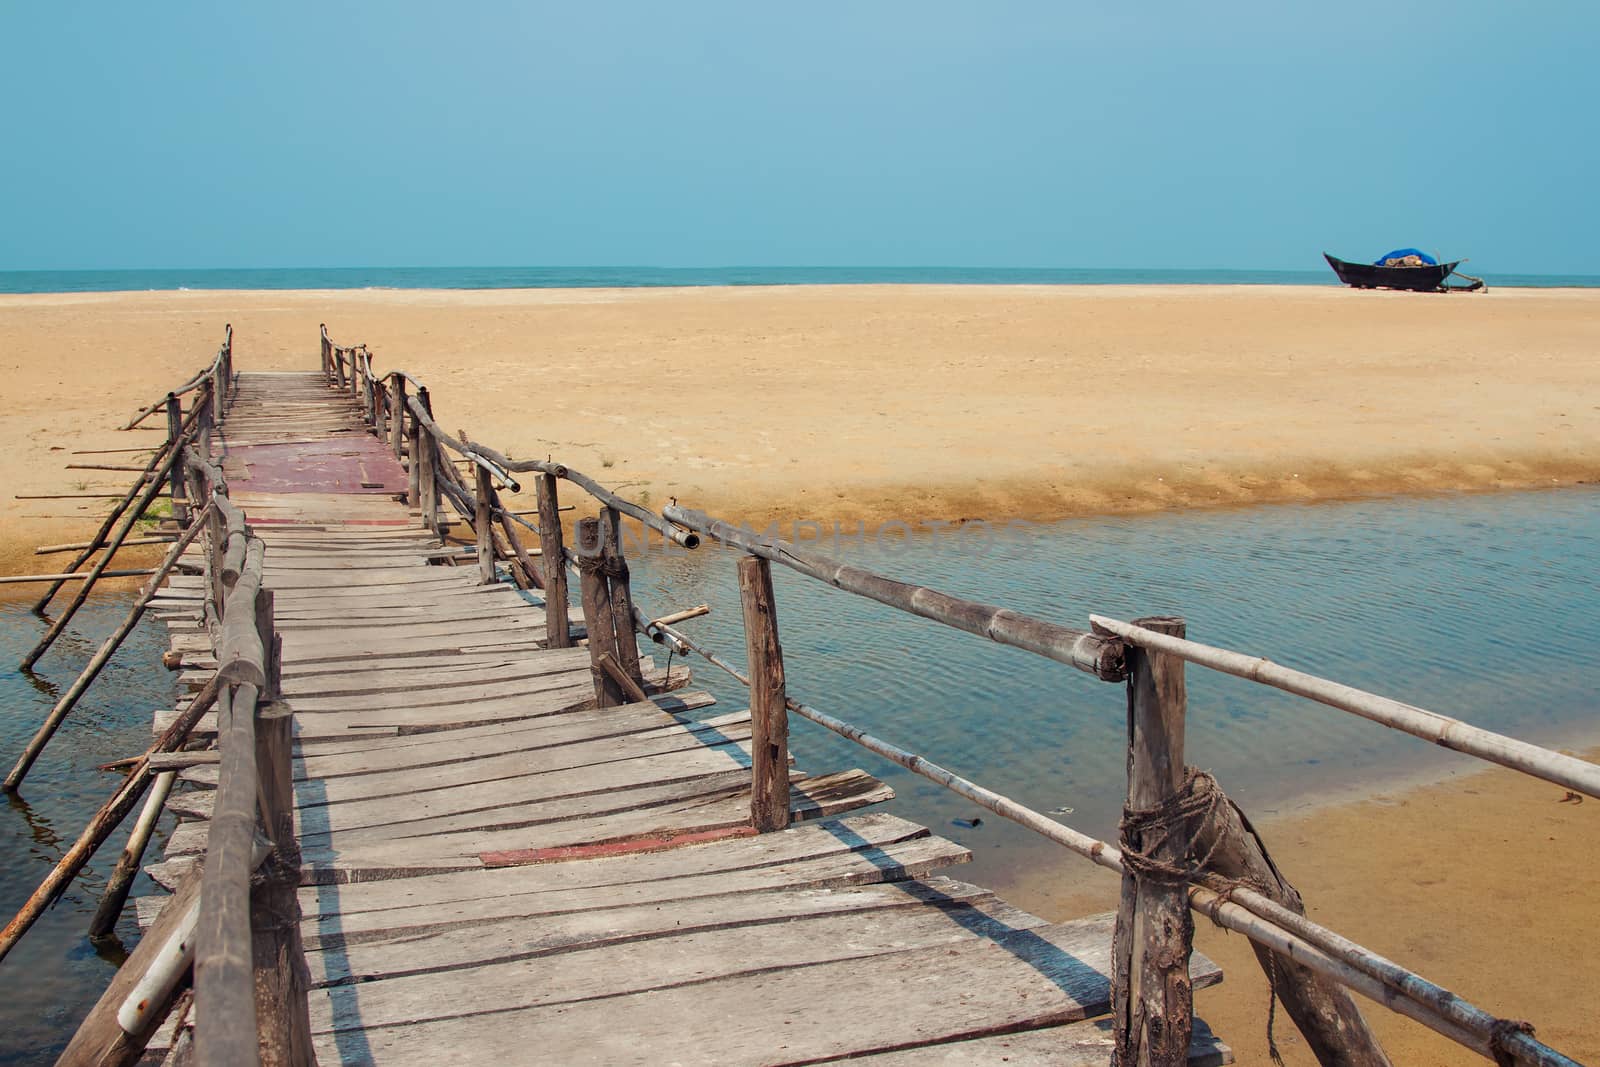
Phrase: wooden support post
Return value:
(414, 436)
(428, 482)
(338, 367)
(271, 644)
(180, 511)
(596, 595)
(1324, 1011)
(322, 348)
(483, 524)
(282, 979)
(557, 632)
(616, 570)
(1152, 999)
(397, 415)
(127, 868)
(769, 712)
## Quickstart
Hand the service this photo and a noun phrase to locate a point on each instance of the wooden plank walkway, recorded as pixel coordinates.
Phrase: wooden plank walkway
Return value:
(492, 868)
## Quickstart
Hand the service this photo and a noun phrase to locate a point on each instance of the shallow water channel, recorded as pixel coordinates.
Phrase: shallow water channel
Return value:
(1482, 607)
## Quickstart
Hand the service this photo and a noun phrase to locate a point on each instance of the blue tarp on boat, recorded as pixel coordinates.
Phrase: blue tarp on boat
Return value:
(1402, 253)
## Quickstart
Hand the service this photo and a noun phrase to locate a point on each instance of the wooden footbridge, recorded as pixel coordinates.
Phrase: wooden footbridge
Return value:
(430, 813)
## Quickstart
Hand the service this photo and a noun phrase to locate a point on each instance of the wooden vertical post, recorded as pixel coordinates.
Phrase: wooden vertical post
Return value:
(338, 367)
(322, 348)
(413, 463)
(1152, 999)
(277, 956)
(483, 523)
(427, 484)
(597, 616)
(616, 570)
(558, 634)
(180, 511)
(397, 415)
(769, 712)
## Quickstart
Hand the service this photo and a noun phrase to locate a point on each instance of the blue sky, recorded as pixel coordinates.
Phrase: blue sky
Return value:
(1029, 134)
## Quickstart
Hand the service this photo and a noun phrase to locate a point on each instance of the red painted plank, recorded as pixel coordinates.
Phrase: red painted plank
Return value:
(627, 847)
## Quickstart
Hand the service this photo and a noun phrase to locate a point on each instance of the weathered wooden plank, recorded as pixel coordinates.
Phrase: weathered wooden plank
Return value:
(1085, 1044)
(851, 850)
(819, 927)
(991, 985)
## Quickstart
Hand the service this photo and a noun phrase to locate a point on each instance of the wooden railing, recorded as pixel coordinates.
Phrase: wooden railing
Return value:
(234, 922)
(1184, 846)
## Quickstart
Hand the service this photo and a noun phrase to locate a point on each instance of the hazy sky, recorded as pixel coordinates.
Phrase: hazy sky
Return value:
(879, 132)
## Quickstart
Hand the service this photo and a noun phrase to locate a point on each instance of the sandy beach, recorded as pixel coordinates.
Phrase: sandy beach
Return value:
(944, 402)
(872, 402)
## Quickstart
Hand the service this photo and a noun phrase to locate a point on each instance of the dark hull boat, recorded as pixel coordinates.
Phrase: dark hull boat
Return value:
(1423, 278)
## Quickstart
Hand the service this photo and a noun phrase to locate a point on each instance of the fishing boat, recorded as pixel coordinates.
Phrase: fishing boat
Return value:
(1404, 268)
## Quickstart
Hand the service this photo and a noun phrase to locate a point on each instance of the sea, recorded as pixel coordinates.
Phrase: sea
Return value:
(1481, 607)
(95, 281)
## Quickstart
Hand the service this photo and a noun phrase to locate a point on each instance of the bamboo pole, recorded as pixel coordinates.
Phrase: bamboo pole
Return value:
(1152, 1000)
(1565, 771)
(127, 868)
(107, 524)
(1320, 950)
(106, 820)
(1092, 653)
(91, 671)
(76, 576)
(769, 718)
(72, 546)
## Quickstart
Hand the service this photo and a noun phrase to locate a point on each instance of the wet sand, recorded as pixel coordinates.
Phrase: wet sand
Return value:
(944, 402)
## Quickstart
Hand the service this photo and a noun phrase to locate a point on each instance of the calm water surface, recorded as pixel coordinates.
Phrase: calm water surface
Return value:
(1482, 607)
(1486, 608)
(54, 975)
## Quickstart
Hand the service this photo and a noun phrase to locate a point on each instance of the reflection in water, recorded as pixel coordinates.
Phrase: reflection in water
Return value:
(1446, 603)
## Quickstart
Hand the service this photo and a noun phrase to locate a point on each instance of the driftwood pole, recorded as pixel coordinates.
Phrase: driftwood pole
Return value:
(1152, 999)
(1325, 1013)
(107, 524)
(482, 523)
(769, 714)
(558, 633)
(597, 618)
(92, 669)
(127, 868)
(616, 571)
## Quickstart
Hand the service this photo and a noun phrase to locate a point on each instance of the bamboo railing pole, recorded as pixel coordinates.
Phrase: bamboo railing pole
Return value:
(482, 527)
(596, 597)
(769, 716)
(1152, 1000)
(1091, 653)
(92, 669)
(1246, 912)
(558, 633)
(74, 546)
(127, 868)
(106, 525)
(616, 572)
(1565, 771)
